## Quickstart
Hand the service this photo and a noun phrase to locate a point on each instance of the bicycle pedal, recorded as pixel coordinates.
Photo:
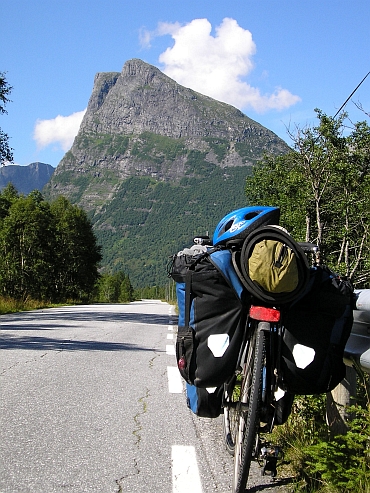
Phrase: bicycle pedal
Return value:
(270, 454)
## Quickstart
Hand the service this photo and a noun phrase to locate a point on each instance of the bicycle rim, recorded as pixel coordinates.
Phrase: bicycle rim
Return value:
(249, 407)
(231, 415)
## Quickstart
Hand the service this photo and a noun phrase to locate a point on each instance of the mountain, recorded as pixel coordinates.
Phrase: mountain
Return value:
(26, 178)
(155, 163)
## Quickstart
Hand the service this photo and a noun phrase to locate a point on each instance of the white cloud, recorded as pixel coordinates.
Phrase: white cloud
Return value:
(216, 65)
(163, 28)
(60, 130)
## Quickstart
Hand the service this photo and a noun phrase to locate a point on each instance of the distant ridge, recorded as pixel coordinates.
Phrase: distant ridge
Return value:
(26, 178)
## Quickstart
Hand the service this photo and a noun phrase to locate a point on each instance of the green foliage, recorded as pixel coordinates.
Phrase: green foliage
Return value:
(149, 220)
(49, 250)
(103, 144)
(305, 426)
(158, 147)
(320, 462)
(197, 165)
(114, 288)
(344, 461)
(11, 305)
(247, 150)
(76, 255)
(6, 153)
(323, 190)
(219, 146)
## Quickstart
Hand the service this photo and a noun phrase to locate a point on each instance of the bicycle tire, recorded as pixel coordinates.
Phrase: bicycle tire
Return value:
(230, 415)
(249, 408)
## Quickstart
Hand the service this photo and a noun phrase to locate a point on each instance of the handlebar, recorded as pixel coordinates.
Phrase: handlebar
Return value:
(202, 240)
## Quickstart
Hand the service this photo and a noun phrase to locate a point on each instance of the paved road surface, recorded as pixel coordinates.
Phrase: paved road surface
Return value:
(91, 401)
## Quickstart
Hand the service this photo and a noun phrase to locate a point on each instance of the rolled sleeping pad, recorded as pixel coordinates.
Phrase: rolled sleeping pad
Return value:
(241, 258)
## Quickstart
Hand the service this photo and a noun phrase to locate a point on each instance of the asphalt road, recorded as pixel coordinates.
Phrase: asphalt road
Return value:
(91, 401)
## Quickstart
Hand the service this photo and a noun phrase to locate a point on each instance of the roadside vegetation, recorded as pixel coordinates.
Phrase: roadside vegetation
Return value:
(49, 250)
(323, 190)
(319, 462)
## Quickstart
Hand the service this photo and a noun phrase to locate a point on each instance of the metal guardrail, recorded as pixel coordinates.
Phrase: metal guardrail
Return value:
(358, 344)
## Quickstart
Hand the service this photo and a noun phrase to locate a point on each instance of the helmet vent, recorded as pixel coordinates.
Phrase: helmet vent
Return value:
(228, 225)
(251, 215)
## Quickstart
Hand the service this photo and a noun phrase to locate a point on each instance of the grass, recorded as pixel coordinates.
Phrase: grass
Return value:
(10, 305)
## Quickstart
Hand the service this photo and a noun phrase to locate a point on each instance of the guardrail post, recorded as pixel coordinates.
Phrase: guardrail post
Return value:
(337, 402)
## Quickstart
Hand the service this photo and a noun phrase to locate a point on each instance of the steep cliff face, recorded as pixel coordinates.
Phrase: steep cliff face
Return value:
(155, 163)
(142, 123)
(143, 99)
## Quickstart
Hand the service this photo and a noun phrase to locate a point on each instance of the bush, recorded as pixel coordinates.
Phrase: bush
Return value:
(319, 463)
(344, 461)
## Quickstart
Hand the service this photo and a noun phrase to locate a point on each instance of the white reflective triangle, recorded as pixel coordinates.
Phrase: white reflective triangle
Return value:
(303, 355)
(279, 394)
(218, 343)
(211, 390)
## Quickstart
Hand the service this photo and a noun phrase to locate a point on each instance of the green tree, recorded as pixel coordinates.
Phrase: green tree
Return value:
(49, 251)
(323, 189)
(27, 241)
(6, 153)
(126, 290)
(76, 255)
(108, 289)
(114, 288)
(8, 195)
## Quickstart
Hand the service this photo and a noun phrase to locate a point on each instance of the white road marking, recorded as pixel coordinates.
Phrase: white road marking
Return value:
(175, 385)
(169, 336)
(185, 473)
(170, 327)
(170, 350)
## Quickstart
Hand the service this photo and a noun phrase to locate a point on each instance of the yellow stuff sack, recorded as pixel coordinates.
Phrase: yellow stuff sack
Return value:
(273, 266)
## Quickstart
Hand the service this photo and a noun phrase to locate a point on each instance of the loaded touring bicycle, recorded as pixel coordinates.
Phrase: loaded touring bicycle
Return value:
(260, 320)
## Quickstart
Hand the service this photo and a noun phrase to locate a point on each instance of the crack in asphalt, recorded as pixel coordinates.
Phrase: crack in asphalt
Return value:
(143, 402)
(120, 481)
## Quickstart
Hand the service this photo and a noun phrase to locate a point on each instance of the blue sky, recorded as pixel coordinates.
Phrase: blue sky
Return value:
(274, 60)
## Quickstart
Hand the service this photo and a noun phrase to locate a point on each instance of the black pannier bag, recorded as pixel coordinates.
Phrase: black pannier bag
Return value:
(205, 403)
(212, 315)
(316, 329)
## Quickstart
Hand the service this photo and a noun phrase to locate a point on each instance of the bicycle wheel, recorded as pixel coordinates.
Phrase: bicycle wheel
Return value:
(246, 442)
(231, 415)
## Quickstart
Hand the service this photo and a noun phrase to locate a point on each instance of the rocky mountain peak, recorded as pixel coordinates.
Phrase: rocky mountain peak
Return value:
(143, 99)
(141, 122)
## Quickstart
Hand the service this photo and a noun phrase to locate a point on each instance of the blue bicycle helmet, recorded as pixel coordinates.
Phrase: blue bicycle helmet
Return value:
(236, 225)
